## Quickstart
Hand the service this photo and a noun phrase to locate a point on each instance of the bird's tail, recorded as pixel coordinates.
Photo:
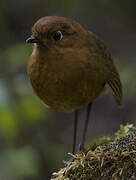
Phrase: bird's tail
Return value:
(116, 87)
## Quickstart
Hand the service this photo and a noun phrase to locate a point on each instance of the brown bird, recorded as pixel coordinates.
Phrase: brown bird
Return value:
(69, 67)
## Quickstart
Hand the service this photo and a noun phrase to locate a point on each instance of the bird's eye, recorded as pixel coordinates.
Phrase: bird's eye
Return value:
(57, 36)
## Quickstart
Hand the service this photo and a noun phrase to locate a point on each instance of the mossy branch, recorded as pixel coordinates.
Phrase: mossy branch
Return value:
(109, 158)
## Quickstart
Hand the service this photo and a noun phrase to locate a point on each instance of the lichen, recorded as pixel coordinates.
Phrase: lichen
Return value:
(109, 158)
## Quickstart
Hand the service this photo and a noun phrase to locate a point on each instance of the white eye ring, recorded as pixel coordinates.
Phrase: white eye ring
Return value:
(57, 36)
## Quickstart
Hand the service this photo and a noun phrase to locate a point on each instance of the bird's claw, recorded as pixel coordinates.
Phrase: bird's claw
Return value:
(79, 150)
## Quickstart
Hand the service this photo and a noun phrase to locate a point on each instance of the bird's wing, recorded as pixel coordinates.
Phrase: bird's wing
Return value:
(113, 79)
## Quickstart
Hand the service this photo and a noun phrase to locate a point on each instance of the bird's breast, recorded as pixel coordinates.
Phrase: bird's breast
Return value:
(65, 86)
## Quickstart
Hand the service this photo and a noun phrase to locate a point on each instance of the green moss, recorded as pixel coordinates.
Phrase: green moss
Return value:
(107, 159)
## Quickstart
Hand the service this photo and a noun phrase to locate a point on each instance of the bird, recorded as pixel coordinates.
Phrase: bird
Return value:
(70, 67)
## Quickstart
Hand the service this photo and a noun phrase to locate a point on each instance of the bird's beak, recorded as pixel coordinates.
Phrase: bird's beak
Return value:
(32, 39)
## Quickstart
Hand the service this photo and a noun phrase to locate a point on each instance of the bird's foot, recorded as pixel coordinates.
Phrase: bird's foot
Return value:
(79, 150)
(71, 160)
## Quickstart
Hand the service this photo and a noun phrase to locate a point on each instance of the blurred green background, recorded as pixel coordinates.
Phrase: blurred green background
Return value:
(33, 139)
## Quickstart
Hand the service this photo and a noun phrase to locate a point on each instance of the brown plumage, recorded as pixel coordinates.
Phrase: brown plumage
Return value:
(69, 66)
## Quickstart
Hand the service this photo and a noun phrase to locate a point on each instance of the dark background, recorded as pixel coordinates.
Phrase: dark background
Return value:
(33, 139)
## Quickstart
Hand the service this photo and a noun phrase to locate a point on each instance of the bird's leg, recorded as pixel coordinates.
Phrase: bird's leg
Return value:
(76, 115)
(81, 145)
(75, 130)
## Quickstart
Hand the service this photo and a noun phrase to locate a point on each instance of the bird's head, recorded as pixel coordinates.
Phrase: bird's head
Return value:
(54, 31)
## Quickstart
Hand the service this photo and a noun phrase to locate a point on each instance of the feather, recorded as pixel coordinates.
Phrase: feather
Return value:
(116, 87)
